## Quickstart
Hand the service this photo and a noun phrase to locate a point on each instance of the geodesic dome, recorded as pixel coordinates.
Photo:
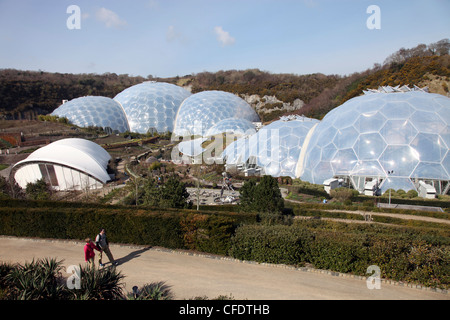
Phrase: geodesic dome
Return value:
(94, 111)
(151, 105)
(397, 138)
(275, 148)
(201, 111)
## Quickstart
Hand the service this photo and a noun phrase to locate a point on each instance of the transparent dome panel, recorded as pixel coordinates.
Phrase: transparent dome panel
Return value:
(398, 132)
(397, 110)
(394, 183)
(369, 146)
(430, 147)
(426, 170)
(401, 159)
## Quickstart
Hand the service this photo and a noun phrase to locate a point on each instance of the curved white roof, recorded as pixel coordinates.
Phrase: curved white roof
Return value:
(80, 154)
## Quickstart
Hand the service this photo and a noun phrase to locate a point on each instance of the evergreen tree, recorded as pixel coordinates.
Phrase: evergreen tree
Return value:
(174, 194)
(264, 197)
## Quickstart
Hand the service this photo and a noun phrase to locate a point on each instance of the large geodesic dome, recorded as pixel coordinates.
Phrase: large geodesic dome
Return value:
(275, 148)
(397, 138)
(201, 111)
(94, 111)
(151, 105)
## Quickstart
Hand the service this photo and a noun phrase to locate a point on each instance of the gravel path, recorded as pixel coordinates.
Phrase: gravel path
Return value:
(191, 275)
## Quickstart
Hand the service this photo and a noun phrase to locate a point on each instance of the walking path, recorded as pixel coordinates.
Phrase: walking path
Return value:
(192, 275)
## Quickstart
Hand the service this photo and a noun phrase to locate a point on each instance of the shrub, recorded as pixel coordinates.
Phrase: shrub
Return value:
(342, 194)
(99, 284)
(151, 291)
(272, 244)
(262, 197)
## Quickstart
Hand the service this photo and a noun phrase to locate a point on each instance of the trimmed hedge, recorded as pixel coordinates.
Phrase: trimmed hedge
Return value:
(405, 256)
(175, 229)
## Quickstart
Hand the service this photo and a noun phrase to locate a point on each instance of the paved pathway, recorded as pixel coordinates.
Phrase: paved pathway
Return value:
(200, 275)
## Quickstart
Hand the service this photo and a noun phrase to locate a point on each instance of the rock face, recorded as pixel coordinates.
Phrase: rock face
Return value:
(268, 104)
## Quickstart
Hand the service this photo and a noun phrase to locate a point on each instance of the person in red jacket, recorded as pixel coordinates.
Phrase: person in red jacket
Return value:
(89, 253)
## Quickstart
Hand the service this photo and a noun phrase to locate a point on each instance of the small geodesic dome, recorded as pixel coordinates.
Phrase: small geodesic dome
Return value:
(151, 106)
(202, 111)
(94, 111)
(275, 148)
(398, 137)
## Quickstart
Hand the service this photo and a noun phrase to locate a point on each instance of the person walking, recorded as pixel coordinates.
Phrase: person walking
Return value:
(102, 242)
(89, 253)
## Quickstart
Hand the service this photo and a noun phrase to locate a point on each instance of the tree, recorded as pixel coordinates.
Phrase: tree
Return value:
(151, 194)
(39, 190)
(264, 197)
(247, 195)
(174, 194)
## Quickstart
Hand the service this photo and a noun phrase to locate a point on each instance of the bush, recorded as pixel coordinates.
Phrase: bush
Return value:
(151, 291)
(271, 244)
(37, 280)
(262, 197)
(343, 194)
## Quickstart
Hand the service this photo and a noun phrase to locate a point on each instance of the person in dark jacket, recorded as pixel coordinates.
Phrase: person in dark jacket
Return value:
(102, 242)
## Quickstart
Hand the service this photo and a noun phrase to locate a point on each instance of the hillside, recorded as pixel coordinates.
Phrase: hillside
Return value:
(26, 94)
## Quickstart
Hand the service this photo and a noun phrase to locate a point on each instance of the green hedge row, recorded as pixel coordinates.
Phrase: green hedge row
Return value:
(308, 208)
(399, 258)
(180, 229)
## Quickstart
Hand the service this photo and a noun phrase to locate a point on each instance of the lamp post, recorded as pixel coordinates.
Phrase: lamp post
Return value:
(389, 173)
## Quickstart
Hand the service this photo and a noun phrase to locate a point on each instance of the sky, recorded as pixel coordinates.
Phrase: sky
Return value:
(167, 38)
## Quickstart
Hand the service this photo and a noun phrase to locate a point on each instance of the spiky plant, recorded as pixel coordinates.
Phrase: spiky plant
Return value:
(99, 284)
(151, 291)
(36, 280)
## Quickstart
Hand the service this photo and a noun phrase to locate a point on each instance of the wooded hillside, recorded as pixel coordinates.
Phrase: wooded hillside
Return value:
(27, 94)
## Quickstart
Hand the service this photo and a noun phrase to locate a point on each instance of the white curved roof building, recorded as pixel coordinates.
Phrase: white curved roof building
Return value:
(68, 164)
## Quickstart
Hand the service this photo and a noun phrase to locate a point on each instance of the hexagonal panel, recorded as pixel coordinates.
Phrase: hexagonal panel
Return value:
(369, 146)
(397, 110)
(430, 147)
(398, 132)
(369, 122)
(344, 161)
(400, 159)
(427, 122)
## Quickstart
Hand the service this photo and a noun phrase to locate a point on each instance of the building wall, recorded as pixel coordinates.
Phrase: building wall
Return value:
(59, 177)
